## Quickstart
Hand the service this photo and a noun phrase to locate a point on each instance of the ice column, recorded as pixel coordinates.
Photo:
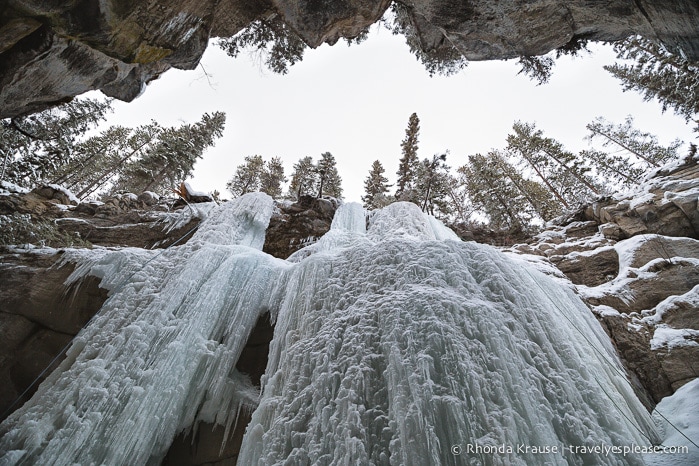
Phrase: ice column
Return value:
(160, 354)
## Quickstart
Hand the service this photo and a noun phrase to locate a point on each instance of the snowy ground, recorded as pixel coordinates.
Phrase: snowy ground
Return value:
(682, 410)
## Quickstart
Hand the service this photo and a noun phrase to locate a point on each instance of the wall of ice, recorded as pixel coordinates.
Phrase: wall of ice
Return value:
(394, 344)
(405, 346)
(160, 354)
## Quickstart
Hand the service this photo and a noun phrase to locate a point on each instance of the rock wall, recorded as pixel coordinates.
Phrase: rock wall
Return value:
(52, 51)
(636, 263)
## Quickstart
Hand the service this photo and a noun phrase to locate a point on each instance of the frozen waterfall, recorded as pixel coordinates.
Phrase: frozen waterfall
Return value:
(395, 343)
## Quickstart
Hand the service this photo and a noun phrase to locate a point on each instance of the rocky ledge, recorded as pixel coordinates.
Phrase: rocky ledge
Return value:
(635, 261)
(52, 51)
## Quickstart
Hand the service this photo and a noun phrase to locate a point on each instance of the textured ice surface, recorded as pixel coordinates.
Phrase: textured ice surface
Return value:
(400, 346)
(161, 352)
(396, 344)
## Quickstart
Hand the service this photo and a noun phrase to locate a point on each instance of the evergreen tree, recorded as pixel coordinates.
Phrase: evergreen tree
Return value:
(171, 158)
(616, 171)
(493, 193)
(304, 179)
(444, 59)
(277, 45)
(540, 199)
(272, 178)
(409, 161)
(247, 176)
(644, 147)
(33, 148)
(329, 181)
(657, 73)
(432, 185)
(375, 187)
(563, 174)
(461, 206)
(101, 159)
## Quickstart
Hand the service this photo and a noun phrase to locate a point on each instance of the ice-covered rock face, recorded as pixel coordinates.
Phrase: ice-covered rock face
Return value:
(404, 349)
(160, 354)
(393, 345)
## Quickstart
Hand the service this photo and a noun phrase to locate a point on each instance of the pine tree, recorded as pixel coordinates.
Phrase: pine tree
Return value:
(271, 39)
(375, 187)
(101, 159)
(616, 171)
(35, 147)
(563, 174)
(247, 176)
(644, 147)
(431, 185)
(304, 179)
(494, 194)
(330, 182)
(171, 159)
(444, 59)
(539, 198)
(460, 203)
(657, 73)
(409, 161)
(272, 177)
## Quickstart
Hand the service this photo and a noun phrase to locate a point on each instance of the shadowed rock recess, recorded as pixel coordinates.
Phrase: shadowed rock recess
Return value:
(52, 51)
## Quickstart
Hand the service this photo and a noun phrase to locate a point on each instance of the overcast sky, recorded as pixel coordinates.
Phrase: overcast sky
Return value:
(355, 103)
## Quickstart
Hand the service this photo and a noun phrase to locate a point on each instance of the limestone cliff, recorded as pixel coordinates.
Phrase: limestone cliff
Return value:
(636, 262)
(52, 51)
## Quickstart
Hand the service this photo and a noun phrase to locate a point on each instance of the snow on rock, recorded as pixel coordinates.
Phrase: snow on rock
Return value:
(690, 300)
(67, 192)
(391, 346)
(668, 337)
(7, 188)
(682, 410)
(639, 250)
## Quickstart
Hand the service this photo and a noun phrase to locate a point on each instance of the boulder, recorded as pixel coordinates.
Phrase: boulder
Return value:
(296, 225)
(589, 268)
(56, 193)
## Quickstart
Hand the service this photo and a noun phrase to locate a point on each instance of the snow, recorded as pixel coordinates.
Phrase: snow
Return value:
(392, 345)
(6, 187)
(644, 198)
(192, 192)
(670, 338)
(690, 299)
(65, 191)
(605, 311)
(682, 410)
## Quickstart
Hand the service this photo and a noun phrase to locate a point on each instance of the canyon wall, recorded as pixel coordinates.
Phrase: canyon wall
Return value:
(52, 52)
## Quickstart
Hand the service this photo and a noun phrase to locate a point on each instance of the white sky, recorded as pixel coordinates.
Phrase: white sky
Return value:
(355, 103)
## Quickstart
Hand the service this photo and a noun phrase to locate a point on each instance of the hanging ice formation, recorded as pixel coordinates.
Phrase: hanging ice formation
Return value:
(393, 345)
